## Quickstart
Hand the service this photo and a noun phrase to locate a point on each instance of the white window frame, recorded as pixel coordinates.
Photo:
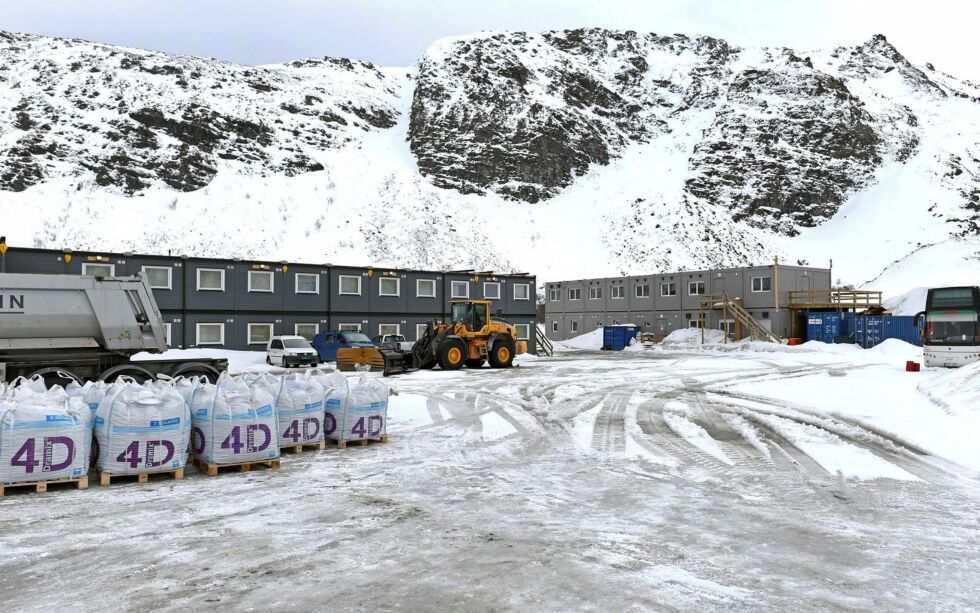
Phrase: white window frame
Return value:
(573, 326)
(348, 327)
(166, 332)
(296, 288)
(316, 328)
(340, 285)
(398, 329)
(554, 326)
(452, 289)
(638, 287)
(398, 286)
(760, 290)
(595, 293)
(578, 293)
(693, 323)
(419, 294)
(85, 265)
(488, 283)
(272, 281)
(690, 283)
(211, 289)
(555, 295)
(527, 291)
(170, 276)
(667, 284)
(527, 331)
(613, 292)
(197, 332)
(248, 333)
(420, 330)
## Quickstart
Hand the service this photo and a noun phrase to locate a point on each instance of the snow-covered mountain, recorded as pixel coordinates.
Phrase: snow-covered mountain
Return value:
(567, 154)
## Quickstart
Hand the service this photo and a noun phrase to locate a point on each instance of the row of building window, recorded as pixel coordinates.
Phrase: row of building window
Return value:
(213, 279)
(668, 288)
(261, 333)
(725, 324)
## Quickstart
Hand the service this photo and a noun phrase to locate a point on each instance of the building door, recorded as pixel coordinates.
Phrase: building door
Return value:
(662, 325)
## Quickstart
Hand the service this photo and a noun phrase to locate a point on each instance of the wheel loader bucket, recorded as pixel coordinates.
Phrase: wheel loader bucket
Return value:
(375, 359)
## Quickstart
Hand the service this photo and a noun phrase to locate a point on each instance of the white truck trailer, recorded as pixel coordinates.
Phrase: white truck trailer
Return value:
(69, 327)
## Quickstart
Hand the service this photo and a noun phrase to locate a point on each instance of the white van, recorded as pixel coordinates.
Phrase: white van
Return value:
(290, 351)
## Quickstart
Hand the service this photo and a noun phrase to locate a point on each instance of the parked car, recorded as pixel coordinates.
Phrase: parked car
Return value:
(290, 351)
(327, 343)
(393, 341)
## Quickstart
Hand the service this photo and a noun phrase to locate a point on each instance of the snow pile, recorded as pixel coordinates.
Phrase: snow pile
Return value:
(590, 341)
(957, 390)
(909, 303)
(691, 337)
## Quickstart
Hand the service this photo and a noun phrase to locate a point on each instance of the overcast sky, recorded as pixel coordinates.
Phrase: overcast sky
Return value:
(396, 32)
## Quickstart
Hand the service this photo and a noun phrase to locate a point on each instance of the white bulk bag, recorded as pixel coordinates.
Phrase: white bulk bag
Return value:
(364, 412)
(141, 429)
(44, 436)
(334, 404)
(233, 423)
(299, 403)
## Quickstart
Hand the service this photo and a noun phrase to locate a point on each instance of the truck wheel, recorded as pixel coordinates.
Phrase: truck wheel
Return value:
(452, 354)
(195, 369)
(56, 375)
(477, 363)
(268, 360)
(137, 373)
(502, 354)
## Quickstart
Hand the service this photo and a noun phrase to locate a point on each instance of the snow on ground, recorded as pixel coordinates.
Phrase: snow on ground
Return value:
(800, 478)
(588, 341)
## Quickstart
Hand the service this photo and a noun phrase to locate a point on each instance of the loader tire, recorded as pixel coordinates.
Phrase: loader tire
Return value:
(502, 353)
(452, 354)
(428, 365)
(477, 363)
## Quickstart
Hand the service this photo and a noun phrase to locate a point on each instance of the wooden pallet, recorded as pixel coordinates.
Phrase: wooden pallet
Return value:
(40, 487)
(243, 467)
(304, 447)
(106, 478)
(358, 442)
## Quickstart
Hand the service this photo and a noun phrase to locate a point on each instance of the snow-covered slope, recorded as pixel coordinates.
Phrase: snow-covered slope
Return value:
(567, 154)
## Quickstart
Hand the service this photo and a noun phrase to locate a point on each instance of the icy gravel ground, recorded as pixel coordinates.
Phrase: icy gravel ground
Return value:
(641, 480)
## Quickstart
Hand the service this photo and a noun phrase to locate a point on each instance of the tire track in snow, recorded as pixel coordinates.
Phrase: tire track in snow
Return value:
(609, 431)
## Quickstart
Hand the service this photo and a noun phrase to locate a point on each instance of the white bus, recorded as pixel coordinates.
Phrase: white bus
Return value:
(951, 337)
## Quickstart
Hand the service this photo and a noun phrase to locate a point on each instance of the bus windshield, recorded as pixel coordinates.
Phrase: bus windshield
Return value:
(947, 331)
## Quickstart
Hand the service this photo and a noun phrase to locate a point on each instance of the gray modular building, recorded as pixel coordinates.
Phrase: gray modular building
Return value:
(238, 304)
(662, 303)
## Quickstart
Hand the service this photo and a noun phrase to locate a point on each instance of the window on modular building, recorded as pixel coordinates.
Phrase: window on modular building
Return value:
(460, 289)
(694, 323)
(595, 293)
(98, 270)
(260, 281)
(425, 288)
(642, 291)
(307, 283)
(350, 285)
(384, 329)
(259, 334)
(555, 295)
(210, 334)
(575, 294)
(761, 284)
(307, 331)
(166, 333)
(158, 276)
(349, 327)
(523, 331)
(668, 289)
(389, 286)
(573, 326)
(522, 291)
(554, 326)
(211, 279)
(617, 292)
(491, 291)
(695, 288)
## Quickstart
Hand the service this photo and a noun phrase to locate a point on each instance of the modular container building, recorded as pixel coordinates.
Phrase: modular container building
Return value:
(238, 304)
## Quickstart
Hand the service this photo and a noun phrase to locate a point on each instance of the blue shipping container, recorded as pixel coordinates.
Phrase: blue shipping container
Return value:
(903, 328)
(868, 331)
(823, 326)
(617, 338)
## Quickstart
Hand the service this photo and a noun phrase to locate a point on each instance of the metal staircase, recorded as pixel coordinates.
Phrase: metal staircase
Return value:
(734, 308)
(542, 345)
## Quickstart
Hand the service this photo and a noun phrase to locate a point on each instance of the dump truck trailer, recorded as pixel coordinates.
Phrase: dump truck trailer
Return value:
(71, 327)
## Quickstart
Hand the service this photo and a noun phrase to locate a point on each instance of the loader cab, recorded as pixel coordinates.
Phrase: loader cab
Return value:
(475, 315)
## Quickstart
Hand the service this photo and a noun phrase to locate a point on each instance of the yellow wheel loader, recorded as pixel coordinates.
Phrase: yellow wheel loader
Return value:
(472, 338)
